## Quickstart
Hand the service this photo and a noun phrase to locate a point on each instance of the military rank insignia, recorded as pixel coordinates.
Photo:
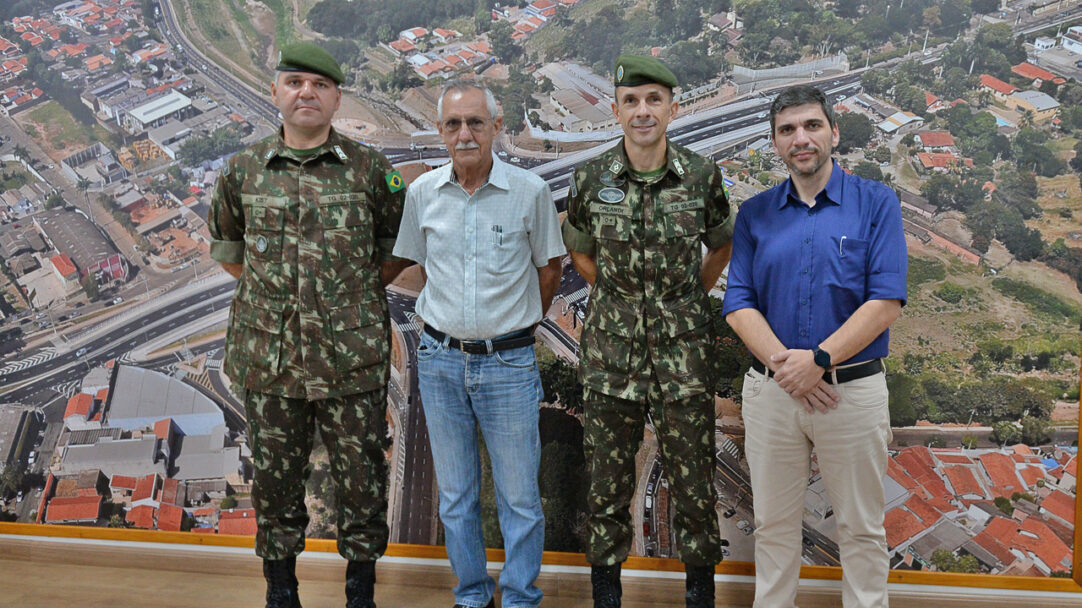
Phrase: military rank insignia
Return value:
(395, 181)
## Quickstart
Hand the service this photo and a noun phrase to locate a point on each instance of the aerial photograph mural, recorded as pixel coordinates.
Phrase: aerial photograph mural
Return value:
(119, 118)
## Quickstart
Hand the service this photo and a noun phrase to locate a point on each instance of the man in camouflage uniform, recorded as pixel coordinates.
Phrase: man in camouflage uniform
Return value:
(637, 216)
(306, 220)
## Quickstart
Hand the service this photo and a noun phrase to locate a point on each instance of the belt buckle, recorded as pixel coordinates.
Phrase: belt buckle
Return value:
(472, 347)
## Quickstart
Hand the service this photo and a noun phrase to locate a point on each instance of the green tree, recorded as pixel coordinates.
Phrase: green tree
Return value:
(229, 502)
(868, 170)
(1006, 433)
(969, 442)
(1035, 431)
(1004, 505)
(11, 480)
(90, 286)
(854, 131)
(503, 46)
(561, 385)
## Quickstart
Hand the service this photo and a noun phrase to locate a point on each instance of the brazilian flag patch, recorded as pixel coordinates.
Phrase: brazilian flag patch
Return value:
(395, 181)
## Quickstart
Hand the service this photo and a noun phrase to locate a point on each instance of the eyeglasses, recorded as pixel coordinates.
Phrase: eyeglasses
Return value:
(475, 124)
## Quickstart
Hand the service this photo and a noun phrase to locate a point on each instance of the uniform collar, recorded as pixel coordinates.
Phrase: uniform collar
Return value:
(497, 175)
(675, 163)
(333, 148)
(831, 193)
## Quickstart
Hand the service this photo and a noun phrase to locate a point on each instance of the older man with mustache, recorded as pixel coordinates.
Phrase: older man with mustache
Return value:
(487, 238)
(637, 219)
(818, 275)
(306, 221)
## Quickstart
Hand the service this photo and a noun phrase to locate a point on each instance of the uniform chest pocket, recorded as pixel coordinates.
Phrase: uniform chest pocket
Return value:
(347, 224)
(264, 226)
(683, 218)
(612, 222)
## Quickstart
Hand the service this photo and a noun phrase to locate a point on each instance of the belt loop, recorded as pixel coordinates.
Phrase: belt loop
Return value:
(488, 347)
(834, 376)
(446, 340)
(883, 364)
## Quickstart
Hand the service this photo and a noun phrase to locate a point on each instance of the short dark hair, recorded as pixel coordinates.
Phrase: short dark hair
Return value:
(799, 95)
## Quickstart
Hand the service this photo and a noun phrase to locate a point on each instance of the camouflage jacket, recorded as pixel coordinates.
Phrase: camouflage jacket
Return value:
(309, 317)
(648, 319)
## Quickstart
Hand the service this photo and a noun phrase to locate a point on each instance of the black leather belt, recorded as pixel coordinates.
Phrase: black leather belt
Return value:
(844, 374)
(516, 339)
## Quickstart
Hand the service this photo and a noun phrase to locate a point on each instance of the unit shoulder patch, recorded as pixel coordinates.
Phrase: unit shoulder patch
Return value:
(395, 181)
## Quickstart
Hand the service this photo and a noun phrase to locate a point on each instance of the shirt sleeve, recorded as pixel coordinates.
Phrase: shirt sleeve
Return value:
(740, 289)
(576, 226)
(388, 207)
(888, 260)
(545, 242)
(226, 218)
(719, 217)
(411, 243)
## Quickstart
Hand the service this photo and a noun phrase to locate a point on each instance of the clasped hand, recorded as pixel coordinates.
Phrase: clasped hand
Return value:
(799, 376)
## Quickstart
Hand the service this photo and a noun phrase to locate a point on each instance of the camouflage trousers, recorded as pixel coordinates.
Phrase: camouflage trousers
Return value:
(354, 429)
(685, 433)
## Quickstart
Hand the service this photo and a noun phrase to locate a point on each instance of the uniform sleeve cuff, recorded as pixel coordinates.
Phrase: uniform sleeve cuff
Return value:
(228, 252)
(719, 235)
(577, 240)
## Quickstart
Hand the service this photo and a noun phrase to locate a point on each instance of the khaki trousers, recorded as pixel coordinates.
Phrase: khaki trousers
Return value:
(851, 447)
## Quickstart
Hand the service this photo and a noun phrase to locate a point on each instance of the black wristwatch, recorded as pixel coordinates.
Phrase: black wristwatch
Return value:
(822, 358)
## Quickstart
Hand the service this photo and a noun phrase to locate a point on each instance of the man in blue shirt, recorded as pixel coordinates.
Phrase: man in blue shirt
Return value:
(816, 278)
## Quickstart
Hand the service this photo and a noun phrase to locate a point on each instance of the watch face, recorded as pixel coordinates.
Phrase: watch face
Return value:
(822, 358)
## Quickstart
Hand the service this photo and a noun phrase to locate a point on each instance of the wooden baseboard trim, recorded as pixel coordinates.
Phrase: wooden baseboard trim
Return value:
(557, 580)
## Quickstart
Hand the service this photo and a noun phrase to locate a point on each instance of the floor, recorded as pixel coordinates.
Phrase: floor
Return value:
(60, 572)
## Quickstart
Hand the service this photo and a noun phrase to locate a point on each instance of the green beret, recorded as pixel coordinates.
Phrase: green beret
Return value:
(633, 70)
(308, 57)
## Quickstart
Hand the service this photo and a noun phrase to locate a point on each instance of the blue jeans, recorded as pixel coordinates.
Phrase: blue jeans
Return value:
(500, 393)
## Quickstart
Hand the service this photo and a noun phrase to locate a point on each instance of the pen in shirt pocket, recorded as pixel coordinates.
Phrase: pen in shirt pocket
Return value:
(498, 229)
(841, 247)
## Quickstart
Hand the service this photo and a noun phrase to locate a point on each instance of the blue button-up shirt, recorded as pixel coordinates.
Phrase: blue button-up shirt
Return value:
(807, 269)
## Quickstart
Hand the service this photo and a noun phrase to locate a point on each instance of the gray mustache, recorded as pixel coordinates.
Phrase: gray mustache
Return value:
(468, 145)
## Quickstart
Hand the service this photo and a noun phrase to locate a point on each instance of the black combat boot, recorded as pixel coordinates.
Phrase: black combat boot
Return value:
(700, 586)
(606, 583)
(360, 584)
(281, 575)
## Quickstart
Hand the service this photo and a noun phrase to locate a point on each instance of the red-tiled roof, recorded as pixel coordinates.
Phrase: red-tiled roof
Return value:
(1030, 474)
(238, 521)
(923, 510)
(170, 517)
(995, 546)
(936, 139)
(954, 458)
(963, 481)
(1060, 504)
(102, 395)
(123, 482)
(941, 160)
(1000, 470)
(402, 45)
(204, 512)
(929, 99)
(45, 495)
(146, 488)
(1021, 449)
(901, 525)
(170, 489)
(1072, 467)
(1036, 538)
(75, 508)
(79, 404)
(162, 427)
(141, 517)
(63, 264)
(1029, 71)
(206, 530)
(481, 47)
(997, 85)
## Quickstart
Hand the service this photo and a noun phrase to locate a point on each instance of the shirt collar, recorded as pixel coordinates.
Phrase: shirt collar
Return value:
(674, 161)
(497, 175)
(832, 192)
(332, 147)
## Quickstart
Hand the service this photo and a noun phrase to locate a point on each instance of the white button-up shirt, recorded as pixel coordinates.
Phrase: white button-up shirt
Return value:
(480, 252)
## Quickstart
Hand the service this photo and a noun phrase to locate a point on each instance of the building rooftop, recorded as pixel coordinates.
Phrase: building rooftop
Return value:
(171, 102)
(73, 509)
(142, 397)
(1040, 101)
(997, 85)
